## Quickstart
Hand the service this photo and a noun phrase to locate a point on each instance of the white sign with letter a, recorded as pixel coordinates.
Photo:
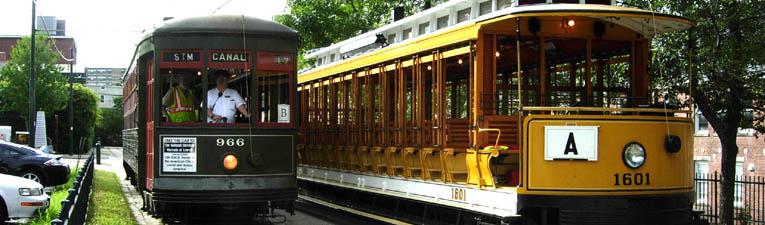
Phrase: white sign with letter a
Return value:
(571, 142)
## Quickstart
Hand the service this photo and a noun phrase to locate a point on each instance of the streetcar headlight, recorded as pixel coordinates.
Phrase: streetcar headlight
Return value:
(633, 155)
(230, 162)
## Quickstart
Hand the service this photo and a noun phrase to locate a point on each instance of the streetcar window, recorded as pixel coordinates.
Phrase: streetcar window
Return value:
(611, 73)
(506, 93)
(566, 64)
(457, 87)
(273, 96)
(228, 97)
(181, 93)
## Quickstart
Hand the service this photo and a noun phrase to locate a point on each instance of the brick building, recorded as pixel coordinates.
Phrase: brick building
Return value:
(707, 149)
(750, 165)
(65, 44)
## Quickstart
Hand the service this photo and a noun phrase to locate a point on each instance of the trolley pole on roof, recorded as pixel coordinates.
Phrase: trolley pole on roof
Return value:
(32, 117)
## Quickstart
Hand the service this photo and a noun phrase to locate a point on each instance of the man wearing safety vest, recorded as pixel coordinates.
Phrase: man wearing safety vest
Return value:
(179, 102)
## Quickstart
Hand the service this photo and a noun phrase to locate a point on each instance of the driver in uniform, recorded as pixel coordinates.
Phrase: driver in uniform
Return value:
(223, 102)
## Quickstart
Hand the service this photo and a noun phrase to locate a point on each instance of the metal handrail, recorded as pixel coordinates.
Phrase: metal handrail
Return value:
(597, 109)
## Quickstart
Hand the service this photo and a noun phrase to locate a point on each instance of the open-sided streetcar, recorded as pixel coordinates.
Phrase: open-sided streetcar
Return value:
(209, 105)
(472, 112)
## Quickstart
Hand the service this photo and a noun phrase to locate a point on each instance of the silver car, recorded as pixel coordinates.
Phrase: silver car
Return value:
(20, 199)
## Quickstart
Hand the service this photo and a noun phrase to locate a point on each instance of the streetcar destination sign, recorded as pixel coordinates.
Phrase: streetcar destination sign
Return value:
(227, 57)
(179, 154)
(571, 142)
(181, 56)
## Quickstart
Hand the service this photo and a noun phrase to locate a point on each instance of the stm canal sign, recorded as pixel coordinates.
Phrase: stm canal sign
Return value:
(228, 57)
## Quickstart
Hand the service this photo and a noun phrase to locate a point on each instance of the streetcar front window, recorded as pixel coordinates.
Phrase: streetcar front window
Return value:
(228, 97)
(181, 96)
(273, 96)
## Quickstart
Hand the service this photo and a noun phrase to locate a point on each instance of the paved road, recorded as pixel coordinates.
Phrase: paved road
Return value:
(111, 160)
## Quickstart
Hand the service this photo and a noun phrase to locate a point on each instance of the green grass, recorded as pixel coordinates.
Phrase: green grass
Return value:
(59, 193)
(107, 203)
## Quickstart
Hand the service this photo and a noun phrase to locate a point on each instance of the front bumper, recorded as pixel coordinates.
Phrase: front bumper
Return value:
(665, 209)
(56, 175)
(22, 214)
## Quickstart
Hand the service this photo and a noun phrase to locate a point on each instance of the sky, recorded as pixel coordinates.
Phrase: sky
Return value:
(106, 31)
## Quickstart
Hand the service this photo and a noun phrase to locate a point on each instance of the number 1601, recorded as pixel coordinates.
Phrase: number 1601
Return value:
(632, 179)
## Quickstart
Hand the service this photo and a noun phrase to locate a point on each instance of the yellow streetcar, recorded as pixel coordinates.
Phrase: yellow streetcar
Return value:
(534, 113)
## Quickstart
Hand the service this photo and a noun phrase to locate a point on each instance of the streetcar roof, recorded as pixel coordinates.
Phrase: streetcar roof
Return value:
(645, 22)
(224, 24)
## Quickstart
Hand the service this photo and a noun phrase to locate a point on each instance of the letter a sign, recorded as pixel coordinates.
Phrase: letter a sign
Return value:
(571, 142)
(570, 145)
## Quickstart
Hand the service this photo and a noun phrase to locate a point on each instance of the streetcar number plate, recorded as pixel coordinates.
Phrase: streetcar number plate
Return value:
(459, 194)
(632, 179)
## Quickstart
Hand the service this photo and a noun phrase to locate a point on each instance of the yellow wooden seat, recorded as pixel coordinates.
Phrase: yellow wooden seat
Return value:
(339, 153)
(377, 156)
(392, 161)
(351, 158)
(364, 162)
(454, 168)
(430, 162)
(328, 160)
(410, 159)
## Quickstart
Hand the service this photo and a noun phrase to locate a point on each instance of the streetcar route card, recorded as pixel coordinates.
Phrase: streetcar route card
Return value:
(179, 154)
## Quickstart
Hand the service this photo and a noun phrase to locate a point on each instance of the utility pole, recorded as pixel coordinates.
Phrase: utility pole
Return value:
(71, 103)
(32, 111)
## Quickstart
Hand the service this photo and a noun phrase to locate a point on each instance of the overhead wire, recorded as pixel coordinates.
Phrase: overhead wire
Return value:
(247, 80)
(221, 6)
(61, 54)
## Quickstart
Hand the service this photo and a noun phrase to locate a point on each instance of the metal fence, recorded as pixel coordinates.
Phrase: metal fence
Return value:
(749, 198)
(74, 208)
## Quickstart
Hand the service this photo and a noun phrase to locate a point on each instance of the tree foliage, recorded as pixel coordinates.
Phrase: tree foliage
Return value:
(109, 124)
(727, 57)
(14, 78)
(323, 22)
(85, 117)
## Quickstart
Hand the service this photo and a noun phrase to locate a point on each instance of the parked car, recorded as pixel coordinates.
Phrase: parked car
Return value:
(20, 160)
(20, 199)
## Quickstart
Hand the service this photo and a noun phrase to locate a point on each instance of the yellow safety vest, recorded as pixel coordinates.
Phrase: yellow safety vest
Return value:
(182, 109)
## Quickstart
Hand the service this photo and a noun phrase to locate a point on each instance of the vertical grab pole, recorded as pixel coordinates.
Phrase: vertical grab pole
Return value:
(518, 81)
(690, 73)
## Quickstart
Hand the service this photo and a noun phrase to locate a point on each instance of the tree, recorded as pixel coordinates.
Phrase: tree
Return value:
(14, 78)
(85, 117)
(323, 22)
(109, 124)
(727, 70)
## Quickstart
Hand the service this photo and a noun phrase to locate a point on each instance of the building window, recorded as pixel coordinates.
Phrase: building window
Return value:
(747, 123)
(442, 22)
(738, 192)
(501, 4)
(702, 125)
(102, 98)
(484, 8)
(463, 15)
(702, 187)
(423, 29)
(407, 34)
